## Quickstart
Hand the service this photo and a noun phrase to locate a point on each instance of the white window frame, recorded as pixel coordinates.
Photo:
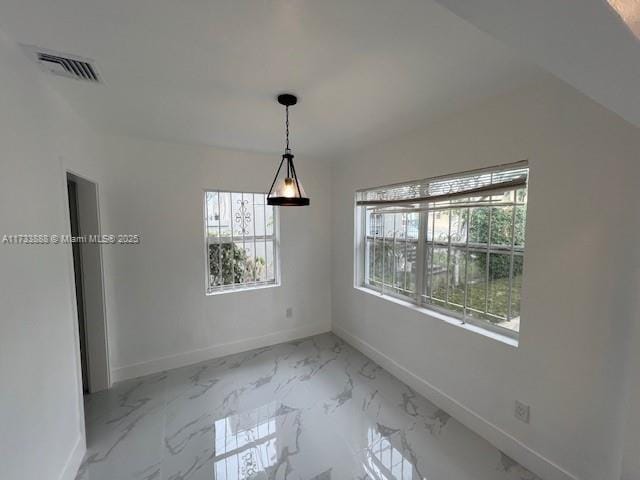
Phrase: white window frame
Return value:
(240, 287)
(415, 300)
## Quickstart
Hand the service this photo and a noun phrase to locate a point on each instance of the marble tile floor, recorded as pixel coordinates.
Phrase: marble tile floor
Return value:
(312, 409)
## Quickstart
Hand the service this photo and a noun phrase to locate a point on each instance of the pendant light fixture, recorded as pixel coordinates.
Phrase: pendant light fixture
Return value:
(288, 191)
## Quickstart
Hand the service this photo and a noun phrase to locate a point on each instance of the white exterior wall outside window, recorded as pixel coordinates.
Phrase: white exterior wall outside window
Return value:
(241, 241)
(453, 244)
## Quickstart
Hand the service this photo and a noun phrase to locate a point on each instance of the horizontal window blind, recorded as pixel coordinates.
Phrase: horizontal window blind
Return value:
(475, 183)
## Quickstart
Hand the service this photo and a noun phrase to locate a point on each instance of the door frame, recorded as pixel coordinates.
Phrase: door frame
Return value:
(96, 325)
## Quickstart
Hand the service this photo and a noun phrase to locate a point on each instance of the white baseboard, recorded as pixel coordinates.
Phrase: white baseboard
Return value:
(74, 460)
(502, 440)
(215, 351)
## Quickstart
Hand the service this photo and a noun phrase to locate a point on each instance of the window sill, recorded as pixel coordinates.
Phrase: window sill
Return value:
(506, 339)
(241, 289)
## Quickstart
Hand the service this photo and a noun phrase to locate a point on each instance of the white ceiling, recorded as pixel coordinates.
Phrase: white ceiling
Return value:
(207, 71)
(586, 43)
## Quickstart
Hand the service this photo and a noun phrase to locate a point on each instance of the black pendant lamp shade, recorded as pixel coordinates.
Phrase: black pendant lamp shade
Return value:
(287, 191)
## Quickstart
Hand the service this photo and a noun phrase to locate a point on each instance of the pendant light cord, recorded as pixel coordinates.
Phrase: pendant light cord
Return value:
(287, 127)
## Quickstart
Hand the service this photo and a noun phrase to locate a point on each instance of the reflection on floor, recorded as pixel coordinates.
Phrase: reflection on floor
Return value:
(310, 409)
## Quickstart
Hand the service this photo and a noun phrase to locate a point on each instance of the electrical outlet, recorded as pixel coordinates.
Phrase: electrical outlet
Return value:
(522, 412)
(289, 312)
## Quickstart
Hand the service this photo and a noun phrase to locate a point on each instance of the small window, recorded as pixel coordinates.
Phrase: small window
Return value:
(454, 244)
(241, 241)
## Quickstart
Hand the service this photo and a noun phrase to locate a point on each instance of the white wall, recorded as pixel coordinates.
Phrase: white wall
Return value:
(578, 274)
(41, 416)
(631, 452)
(157, 313)
(579, 267)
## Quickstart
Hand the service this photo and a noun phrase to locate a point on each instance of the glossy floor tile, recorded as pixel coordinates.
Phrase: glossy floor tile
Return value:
(309, 409)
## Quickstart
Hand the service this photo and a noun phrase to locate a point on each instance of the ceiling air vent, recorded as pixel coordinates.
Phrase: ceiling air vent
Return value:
(64, 64)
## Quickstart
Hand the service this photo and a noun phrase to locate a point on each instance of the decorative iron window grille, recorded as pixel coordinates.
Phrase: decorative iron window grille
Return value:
(241, 234)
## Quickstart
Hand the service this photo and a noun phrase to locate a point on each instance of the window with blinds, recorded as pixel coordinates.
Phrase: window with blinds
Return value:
(241, 241)
(453, 244)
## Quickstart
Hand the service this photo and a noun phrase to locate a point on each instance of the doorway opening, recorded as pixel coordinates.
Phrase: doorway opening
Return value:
(89, 288)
